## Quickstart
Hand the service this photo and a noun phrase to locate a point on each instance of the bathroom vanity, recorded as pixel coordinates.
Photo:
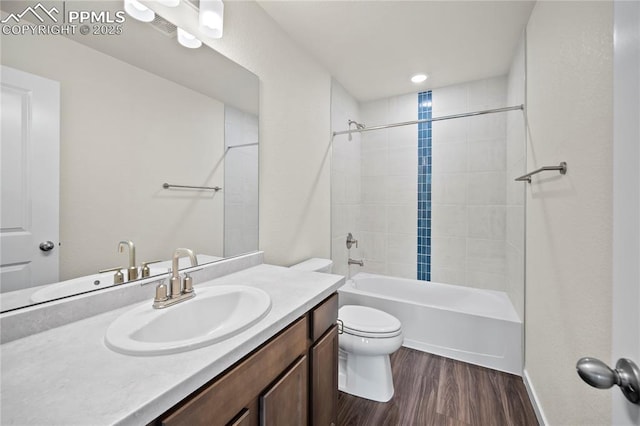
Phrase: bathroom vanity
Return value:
(291, 380)
(281, 370)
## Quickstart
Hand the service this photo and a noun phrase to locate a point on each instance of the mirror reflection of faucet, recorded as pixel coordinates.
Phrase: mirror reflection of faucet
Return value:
(146, 271)
(118, 277)
(132, 270)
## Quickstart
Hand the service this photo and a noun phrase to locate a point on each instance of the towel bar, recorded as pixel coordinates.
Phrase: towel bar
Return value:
(562, 168)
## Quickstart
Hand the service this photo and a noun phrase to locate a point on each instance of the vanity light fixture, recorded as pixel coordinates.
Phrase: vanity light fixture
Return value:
(211, 17)
(169, 3)
(187, 39)
(418, 78)
(137, 10)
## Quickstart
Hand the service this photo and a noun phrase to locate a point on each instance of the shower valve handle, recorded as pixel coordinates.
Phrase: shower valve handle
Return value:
(351, 241)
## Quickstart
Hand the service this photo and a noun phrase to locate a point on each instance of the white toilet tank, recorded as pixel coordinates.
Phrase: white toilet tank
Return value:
(314, 264)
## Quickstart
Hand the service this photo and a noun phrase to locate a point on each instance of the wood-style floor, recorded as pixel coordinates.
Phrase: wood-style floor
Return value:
(432, 390)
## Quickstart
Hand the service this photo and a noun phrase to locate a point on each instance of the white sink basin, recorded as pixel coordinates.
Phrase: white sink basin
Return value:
(215, 314)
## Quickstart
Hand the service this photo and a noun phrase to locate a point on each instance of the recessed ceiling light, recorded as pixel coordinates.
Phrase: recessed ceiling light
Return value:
(419, 78)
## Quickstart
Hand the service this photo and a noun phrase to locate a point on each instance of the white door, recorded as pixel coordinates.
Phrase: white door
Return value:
(29, 168)
(626, 199)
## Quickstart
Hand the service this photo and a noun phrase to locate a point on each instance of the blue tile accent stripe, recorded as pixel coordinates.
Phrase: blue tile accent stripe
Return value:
(424, 187)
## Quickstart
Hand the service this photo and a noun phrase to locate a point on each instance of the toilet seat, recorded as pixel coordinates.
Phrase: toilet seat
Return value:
(363, 321)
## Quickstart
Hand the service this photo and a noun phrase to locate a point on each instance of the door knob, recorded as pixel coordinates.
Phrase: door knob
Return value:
(598, 374)
(47, 245)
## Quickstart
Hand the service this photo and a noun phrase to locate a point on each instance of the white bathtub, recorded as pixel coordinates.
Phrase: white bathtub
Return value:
(472, 325)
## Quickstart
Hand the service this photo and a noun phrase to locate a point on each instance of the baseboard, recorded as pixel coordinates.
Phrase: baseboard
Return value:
(534, 399)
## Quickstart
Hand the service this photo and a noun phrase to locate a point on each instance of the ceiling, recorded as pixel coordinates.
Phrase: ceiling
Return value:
(372, 48)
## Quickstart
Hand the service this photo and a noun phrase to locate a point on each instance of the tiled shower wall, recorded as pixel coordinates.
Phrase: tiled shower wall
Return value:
(389, 176)
(345, 179)
(240, 182)
(477, 217)
(469, 198)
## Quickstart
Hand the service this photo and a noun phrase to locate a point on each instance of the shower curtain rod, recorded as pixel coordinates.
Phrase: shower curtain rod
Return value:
(241, 145)
(427, 120)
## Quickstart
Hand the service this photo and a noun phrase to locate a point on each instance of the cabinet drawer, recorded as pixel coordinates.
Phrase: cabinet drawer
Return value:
(324, 316)
(218, 403)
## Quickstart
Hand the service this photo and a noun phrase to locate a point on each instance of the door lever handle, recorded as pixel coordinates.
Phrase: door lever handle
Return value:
(598, 374)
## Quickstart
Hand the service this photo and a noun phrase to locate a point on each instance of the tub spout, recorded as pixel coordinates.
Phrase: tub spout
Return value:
(356, 262)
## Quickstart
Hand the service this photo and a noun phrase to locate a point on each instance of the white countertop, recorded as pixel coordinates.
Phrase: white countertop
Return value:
(67, 376)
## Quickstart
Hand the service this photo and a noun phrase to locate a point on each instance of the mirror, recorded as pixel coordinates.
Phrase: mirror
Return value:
(137, 110)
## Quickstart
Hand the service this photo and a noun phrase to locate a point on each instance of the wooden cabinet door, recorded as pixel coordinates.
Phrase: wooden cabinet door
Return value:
(221, 401)
(324, 380)
(285, 403)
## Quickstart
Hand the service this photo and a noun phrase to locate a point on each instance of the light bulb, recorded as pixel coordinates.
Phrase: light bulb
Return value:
(188, 40)
(137, 10)
(211, 17)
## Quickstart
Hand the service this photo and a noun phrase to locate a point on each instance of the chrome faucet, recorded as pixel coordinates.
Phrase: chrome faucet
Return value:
(132, 271)
(180, 289)
(355, 262)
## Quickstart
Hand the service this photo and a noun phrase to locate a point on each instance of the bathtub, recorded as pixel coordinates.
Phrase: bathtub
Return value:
(472, 325)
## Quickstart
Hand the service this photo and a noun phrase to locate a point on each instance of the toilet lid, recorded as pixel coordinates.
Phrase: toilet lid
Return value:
(368, 322)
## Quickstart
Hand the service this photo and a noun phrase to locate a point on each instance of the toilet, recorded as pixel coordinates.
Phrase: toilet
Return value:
(367, 337)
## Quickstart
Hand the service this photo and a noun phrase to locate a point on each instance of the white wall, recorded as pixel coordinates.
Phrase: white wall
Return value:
(295, 139)
(120, 140)
(569, 225)
(469, 190)
(345, 180)
(389, 169)
(515, 191)
(241, 182)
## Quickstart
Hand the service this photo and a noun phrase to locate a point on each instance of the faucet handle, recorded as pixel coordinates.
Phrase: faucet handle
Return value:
(118, 277)
(146, 271)
(188, 283)
(161, 293)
